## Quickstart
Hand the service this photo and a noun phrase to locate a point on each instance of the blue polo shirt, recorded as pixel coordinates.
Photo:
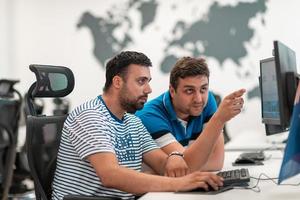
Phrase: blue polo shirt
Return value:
(159, 117)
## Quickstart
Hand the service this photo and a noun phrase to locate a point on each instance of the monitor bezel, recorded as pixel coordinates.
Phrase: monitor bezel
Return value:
(281, 70)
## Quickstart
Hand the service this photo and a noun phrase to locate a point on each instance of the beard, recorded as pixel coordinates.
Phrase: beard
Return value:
(131, 104)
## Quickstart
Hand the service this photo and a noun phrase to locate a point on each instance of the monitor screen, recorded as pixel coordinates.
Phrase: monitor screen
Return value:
(278, 84)
(270, 99)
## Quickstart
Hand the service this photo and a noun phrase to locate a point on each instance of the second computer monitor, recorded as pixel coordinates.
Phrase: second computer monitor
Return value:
(278, 87)
(269, 92)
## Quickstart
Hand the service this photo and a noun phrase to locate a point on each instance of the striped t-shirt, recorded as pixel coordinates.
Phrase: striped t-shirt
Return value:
(89, 129)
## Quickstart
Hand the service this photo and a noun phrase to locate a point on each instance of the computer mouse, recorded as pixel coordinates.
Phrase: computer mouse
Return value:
(244, 160)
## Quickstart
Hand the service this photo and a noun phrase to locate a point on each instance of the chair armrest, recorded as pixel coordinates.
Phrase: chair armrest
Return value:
(79, 197)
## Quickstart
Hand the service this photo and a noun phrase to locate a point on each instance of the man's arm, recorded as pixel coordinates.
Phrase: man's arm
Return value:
(229, 108)
(210, 143)
(172, 166)
(212, 162)
(216, 159)
(115, 176)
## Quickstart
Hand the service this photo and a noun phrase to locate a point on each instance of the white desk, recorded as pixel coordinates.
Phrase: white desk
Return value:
(269, 190)
(252, 140)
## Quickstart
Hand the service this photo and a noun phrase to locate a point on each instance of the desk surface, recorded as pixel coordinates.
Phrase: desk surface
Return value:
(252, 140)
(268, 189)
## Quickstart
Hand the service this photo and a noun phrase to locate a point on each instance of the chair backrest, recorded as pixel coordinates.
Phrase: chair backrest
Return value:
(10, 104)
(43, 132)
(43, 135)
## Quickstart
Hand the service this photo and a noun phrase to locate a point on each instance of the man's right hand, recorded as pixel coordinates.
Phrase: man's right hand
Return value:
(198, 180)
(230, 106)
(176, 166)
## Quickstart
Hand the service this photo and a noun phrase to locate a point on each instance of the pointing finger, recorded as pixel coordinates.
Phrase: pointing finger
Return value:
(236, 94)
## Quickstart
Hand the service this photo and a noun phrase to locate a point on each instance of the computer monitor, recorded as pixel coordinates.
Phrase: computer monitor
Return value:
(278, 83)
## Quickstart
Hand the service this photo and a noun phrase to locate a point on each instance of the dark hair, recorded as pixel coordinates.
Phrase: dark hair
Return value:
(186, 67)
(118, 65)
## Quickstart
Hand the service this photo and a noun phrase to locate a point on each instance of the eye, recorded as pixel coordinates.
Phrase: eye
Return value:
(189, 91)
(203, 90)
(142, 81)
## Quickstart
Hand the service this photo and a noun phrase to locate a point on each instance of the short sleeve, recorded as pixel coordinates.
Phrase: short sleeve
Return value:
(89, 134)
(165, 140)
(155, 123)
(147, 141)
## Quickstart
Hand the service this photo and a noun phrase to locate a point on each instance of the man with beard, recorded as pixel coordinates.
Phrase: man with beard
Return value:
(103, 145)
(176, 119)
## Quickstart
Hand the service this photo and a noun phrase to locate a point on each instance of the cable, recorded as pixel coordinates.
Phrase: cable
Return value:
(257, 189)
(272, 179)
(254, 188)
(260, 179)
(265, 179)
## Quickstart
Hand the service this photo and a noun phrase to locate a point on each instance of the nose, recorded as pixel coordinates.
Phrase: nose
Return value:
(147, 89)
(198, 98)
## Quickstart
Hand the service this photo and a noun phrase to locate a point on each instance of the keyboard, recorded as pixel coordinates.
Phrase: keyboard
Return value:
(232, 178)
(236, 177)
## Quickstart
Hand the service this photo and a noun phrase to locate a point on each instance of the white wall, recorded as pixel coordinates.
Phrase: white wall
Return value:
(5, 39)
(44, 32)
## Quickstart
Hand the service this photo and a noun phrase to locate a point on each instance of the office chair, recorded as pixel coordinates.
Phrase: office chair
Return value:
(10, 103)
(43, 132)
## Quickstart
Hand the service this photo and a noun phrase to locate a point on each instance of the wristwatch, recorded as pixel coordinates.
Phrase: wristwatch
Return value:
(175, 153)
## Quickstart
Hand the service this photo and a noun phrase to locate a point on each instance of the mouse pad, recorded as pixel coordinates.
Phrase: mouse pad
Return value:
(210, 192)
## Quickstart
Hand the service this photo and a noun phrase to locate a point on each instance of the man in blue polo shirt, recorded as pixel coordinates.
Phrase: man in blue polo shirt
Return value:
(186, 120)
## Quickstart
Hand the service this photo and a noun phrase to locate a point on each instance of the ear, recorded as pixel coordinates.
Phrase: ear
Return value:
(117, 82)
(172, 91)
